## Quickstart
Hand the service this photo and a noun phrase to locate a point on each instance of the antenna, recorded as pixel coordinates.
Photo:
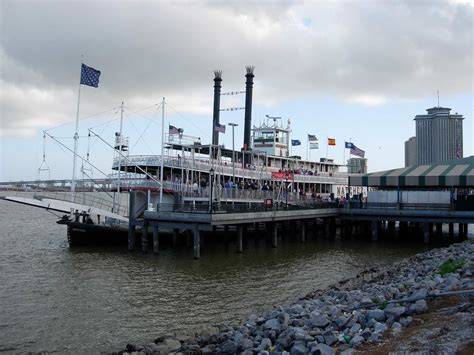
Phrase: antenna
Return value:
(274, 119)
(438, 98)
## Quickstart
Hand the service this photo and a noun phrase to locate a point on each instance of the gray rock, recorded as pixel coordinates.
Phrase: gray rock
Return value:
(329, 338)
(379, 327)
(208, 349)
(247, 352)
(263, 352)
(396, 327)
(284, 319)
(357, 340)
(374, 338)
(394, 312)
(319, 320)
(420, 294)
(296, 309)
(152, 348)
(377, 314)
(265, 344)
(273, 324)
(227, 347)
(320, 338)
(420, 306)
(246, 344)
(366, 333)
(405, 321)
(341, 321)
(298, 349)
(322, 349)
(355, 328)
(169, 345)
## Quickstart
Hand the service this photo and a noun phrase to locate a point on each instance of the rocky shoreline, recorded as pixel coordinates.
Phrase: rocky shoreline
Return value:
(352, 314)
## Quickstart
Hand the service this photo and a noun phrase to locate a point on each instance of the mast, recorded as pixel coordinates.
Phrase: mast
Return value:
(76, 138)
(162, 147)
(120, 147)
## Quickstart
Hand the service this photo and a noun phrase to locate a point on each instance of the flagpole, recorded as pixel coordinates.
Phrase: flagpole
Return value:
(76, 135)
(307, 148)
(327, 146)
(344, 155)
(162, 147)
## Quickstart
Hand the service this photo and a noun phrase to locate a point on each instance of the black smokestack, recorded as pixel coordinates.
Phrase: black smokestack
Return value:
(217, 105)
(248, 106)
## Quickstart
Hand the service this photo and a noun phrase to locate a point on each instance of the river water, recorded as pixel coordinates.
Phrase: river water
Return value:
(89, 300)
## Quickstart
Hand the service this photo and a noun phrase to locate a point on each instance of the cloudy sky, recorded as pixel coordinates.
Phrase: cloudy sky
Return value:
(358, 70)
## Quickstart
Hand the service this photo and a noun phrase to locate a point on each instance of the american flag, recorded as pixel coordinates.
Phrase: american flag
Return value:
(312, 138)
(89, 76)
(357, 151)
(175, 130)
(219, 128)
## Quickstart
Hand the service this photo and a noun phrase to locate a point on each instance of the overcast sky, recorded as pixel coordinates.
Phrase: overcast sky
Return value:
(357, 70)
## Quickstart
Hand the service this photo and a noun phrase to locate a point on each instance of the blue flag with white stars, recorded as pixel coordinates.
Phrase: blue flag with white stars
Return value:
(89, 76)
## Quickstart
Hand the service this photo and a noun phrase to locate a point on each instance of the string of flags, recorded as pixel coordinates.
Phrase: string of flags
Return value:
(232, 109)
(232, 93)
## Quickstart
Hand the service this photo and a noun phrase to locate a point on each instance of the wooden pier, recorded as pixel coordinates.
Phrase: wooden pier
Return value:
(195, 220)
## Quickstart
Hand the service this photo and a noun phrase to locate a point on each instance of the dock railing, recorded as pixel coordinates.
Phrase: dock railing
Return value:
(206, 208)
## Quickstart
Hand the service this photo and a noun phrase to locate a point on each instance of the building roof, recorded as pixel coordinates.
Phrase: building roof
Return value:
(453, 173)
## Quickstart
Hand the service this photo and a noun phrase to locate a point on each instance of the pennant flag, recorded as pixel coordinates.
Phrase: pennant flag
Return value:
(349, 145)
(89, 76)
(313, 145)
(219, 128)
(312, 138)
(331, 141)
(295, 142)
(357, 151)
(175, 130)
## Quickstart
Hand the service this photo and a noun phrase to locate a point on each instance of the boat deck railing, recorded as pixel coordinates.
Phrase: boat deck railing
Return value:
(228, 168)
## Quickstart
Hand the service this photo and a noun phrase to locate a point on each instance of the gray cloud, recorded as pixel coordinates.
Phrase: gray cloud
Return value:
(367, 52)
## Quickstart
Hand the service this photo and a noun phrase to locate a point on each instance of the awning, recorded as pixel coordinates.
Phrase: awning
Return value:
(453, 173)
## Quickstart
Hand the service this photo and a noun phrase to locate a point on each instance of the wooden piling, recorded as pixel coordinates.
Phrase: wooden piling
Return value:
(156, 240)
(275, 236)
(427, 228)
(375, 231)
(197, 244)
(240, 233)
(303, 232)
(145, 237)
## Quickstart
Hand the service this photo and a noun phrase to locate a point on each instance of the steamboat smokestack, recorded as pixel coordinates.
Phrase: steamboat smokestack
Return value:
(248, 107)
(217, 105)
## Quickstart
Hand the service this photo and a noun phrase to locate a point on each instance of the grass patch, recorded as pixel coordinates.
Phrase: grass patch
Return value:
(450, 265)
